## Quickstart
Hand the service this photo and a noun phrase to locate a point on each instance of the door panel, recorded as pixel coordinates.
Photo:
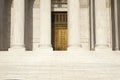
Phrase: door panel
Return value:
(59, 33)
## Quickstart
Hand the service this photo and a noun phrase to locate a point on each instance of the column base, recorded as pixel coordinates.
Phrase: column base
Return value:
(103, 48)
(44, 49)
(75, 49)
(116, 49)
(16, 49)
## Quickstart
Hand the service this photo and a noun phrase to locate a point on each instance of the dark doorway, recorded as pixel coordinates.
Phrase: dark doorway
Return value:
(114, 39)
(59, 31)
(5, 24)
(29, 24)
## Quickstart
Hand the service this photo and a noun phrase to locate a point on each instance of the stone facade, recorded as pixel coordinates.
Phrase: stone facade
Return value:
(32, 23)
(26, 51)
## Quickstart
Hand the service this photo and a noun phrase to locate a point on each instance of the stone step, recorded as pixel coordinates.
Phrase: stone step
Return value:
(61, 72)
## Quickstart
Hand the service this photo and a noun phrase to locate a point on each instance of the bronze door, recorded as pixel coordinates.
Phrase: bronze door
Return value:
(59, 30)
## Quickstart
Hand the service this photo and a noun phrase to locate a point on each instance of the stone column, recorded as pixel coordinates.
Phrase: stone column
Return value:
(45, 25)
(74, 25)
(116, 25)
(17, 41)
(101, 24)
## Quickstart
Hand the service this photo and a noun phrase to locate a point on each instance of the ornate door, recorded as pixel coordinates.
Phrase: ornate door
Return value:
(59, 30)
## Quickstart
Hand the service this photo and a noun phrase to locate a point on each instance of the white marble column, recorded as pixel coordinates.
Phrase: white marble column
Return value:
(101, 25)
(116, 25)
(74, 25)
(17, 40)
(45, 25)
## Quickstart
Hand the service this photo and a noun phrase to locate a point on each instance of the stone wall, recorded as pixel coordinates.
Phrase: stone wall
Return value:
(32, 18)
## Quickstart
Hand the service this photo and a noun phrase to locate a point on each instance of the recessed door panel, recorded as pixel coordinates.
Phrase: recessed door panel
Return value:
(59, 30)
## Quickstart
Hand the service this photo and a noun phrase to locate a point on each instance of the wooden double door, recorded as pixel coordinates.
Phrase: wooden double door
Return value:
(59, 31)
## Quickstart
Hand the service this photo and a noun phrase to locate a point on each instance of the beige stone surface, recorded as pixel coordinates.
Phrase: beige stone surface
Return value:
(58, 65)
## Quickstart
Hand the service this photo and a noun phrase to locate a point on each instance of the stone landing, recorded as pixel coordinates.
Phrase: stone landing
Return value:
(60, 66)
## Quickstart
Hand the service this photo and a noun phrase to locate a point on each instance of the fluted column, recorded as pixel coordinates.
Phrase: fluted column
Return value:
(74, 25)
(45, 25)
(17, 41)
(101, 25)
